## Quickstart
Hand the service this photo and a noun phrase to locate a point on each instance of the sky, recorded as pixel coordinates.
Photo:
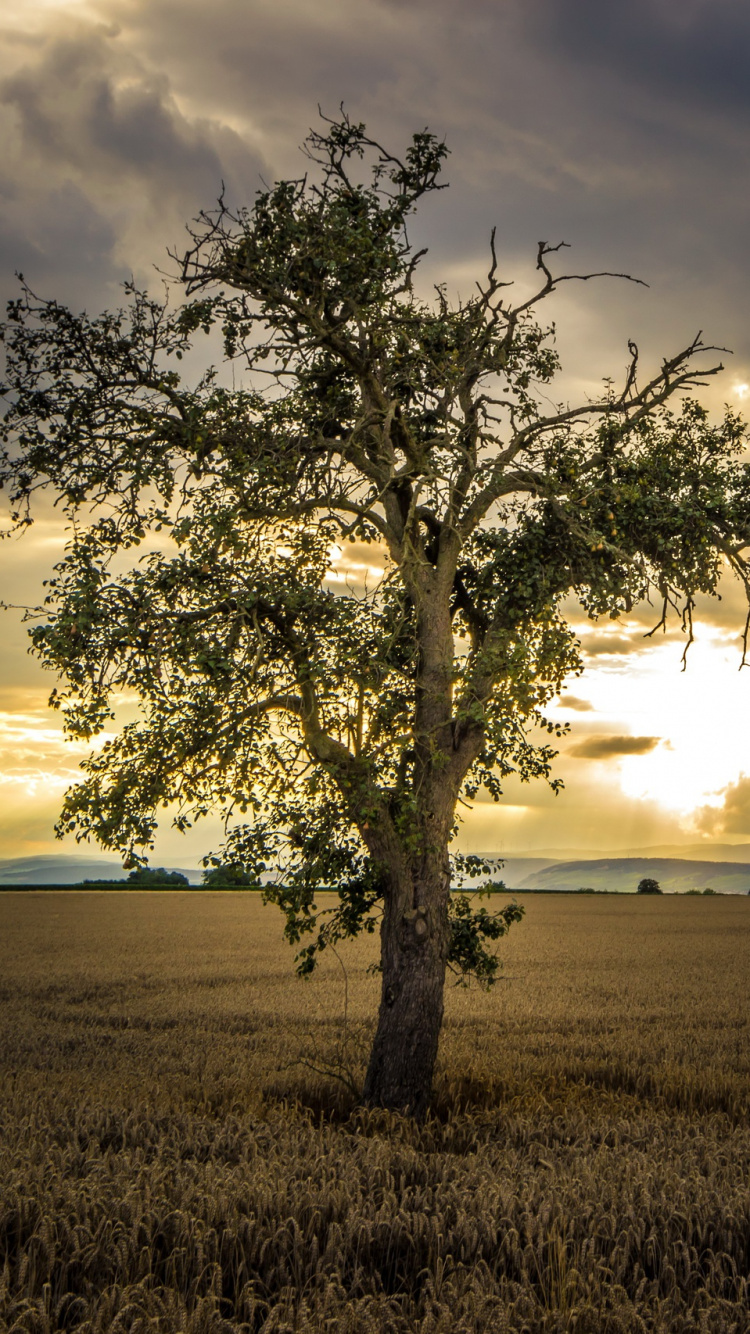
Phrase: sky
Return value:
(620, 129)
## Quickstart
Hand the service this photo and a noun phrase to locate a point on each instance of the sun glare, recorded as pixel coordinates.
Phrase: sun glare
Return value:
(30, 14)
(53, 6)
(701, 714)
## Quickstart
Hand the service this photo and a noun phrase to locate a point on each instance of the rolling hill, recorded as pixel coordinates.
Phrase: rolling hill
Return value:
(614, 873)
(622, 874)
(69, 870)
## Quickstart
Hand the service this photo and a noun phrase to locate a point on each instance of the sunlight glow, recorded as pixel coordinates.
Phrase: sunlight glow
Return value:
(352, 566)
(53, 6)
(36, 15)
(701, 714)
(37, 759)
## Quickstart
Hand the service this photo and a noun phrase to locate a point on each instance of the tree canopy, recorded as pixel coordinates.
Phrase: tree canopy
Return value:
(337, 725)
(156, 877)
(648, 886)
(229, 875)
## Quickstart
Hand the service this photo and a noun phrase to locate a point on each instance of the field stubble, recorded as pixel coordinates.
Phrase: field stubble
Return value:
(174, 1156)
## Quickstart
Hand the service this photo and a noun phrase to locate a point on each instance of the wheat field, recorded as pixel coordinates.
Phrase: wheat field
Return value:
(180, 1149)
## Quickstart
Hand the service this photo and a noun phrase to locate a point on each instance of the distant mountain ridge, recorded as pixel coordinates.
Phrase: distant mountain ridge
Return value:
(697, 852)
(622, 874)
(69, 869)
(613, 872)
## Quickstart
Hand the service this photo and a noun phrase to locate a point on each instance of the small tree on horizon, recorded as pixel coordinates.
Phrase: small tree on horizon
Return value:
(649, 886)
(337, 728)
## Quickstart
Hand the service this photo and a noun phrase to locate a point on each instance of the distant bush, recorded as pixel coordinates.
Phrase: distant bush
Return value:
(709, 891)
(648, 886)
(230, 875)
(148, 877)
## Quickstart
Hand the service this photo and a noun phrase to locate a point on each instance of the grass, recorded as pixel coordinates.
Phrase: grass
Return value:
(171, 1161)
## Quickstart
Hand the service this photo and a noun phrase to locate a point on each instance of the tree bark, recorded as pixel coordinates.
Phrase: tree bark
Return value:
(414, 947)
(415, 933)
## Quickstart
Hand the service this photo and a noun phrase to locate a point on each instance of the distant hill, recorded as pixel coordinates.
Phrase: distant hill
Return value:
(513, 870)
(69, 870)
(696, 852)
(675, 875)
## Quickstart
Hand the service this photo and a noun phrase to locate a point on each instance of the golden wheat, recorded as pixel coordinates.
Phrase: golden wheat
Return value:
(171, 1161)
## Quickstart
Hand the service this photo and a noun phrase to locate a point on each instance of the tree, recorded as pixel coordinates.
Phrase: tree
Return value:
(337, 726)
(229, 875)
(648, 886)
(156, 877)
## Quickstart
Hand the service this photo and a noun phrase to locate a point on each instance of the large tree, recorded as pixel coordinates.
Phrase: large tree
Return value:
(337, 725)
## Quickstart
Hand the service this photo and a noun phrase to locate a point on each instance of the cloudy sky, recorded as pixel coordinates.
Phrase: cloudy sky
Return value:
(621, 129)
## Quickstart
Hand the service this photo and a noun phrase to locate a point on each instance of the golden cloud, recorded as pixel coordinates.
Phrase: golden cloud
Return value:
(733, 816)
(578, 705)
(607, 747)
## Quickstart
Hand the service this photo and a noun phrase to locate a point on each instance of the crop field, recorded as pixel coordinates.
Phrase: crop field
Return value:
(177, 1155)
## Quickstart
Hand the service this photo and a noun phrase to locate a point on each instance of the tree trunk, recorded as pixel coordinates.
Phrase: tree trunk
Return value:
(414, 940)
(415, 933)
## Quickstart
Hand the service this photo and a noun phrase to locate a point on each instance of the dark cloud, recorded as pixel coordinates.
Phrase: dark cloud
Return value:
(74, 110)
(694, 52)
(578, 705)
(598, 645)
(545, 143)
(608, 747)
(104, 167)
(67, 224)
(179, 95)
